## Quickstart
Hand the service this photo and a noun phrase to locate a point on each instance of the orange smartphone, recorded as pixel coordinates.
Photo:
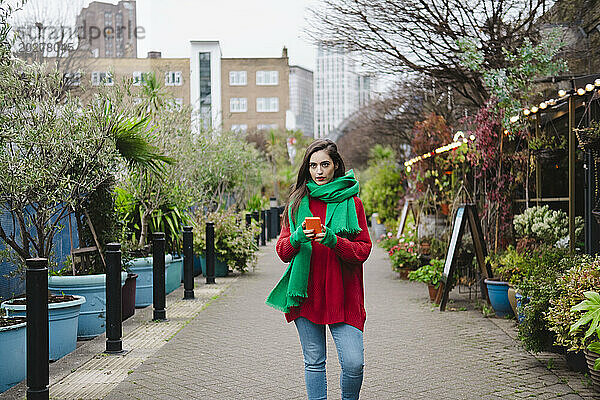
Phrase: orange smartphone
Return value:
(313, 223)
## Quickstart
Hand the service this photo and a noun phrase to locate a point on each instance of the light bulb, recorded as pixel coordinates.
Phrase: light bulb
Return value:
(562, 93)
(534, 109)
(543, 105)
(514, 119)
(472, 137)
(597, 82)
(589, 87)
(526, 111)
(581, 91)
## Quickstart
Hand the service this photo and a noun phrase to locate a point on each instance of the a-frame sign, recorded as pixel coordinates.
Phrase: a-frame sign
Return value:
(408, 204)
(463, 213)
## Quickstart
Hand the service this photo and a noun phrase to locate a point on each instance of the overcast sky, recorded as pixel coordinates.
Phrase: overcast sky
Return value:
(245, 28)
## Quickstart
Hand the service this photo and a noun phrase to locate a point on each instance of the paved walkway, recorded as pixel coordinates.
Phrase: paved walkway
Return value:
(235, 347)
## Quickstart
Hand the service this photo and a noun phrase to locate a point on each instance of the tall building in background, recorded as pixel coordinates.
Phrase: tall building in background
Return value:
(302, 99)
(109, 30)
(339, 89)
(205, 82)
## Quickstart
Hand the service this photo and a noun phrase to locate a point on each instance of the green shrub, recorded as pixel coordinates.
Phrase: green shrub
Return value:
(539, 286)
(430, 274)
(582, 277)
(545, 225)
(234, 242)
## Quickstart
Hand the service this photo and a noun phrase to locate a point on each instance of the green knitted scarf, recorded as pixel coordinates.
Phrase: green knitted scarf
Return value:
(341, 218)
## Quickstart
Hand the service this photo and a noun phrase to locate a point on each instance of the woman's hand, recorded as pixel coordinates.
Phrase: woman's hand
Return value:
(309, 233)
(326, 237)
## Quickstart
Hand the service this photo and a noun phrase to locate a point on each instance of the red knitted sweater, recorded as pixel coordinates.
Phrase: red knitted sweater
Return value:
(335, 281)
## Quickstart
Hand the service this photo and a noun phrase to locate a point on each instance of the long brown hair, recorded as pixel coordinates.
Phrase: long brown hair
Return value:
(299, 189)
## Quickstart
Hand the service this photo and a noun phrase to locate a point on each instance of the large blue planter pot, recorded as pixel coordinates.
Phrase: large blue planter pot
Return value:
(13, 355)
(62, 324)
(143, 284)
(221, 268)
(498, 293)
(174, 271)
(92, 317)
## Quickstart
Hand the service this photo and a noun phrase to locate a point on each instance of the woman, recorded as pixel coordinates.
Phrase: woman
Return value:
(323, 284)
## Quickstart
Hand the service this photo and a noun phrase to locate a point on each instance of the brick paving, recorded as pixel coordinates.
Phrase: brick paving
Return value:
(235, 347)
(238, 348)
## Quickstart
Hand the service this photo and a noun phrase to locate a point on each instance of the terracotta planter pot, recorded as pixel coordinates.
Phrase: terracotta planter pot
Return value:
(403, 273)
(512, 299)
(433, 291)
(590, 357)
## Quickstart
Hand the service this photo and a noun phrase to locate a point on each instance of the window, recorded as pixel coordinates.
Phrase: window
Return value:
(72, 78)
(242, 128)
(173, 78)
(102, 78)
(139, 77)
(266, 127)
(238, 78)
(267, 77)
(267, 104)
(238, 104)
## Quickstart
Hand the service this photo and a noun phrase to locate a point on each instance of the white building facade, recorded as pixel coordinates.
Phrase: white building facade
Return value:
(302, 99)
(205, 82)
(339, 90)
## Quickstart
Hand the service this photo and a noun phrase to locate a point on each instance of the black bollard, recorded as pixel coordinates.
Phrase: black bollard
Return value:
(37, 328)
(188, 263)
(255, 216)
(274, 217)
(114, 327)
(210, 252)
(269, 225)
(158, 277)
(248, 219)
(263, 228)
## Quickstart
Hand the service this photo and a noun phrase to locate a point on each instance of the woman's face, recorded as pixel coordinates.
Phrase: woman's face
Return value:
(321, 167)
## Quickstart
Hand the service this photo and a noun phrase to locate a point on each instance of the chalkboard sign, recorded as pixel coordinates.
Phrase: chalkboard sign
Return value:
(404, 215)
(464, 213)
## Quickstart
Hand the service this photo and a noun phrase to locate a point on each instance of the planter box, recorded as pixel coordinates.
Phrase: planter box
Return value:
(498, 293)
(174, 269)
(92, 318)
(221, 268)
(63, 320)
(143, 285)
(13, 353)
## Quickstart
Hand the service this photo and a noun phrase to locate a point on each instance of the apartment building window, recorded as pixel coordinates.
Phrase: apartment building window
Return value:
(238, 104)
(102, 78)
(139, 77)
(267, 127)
(173, 78)
(267, 78)
(72, 78)
(238, 78)
(241, 128)
(267, 104)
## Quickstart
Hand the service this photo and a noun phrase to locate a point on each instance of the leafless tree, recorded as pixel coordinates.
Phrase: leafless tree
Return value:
(396, 36)
(390, 119)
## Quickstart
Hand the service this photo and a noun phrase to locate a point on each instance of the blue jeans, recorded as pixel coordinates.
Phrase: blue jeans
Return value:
(349, 343)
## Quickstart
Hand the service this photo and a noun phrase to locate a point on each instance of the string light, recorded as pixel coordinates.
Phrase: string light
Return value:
(514, 119)
(597, 82)
(562, 93)
(589, 87)
(460, 139)
(543, 105)
(581, 91)
(534, 109)
(526, 112)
